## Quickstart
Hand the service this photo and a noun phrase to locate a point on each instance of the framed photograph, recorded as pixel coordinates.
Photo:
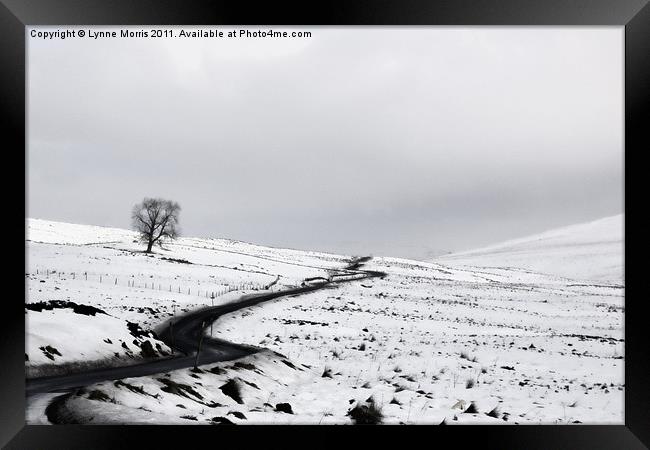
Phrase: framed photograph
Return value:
(365, 213)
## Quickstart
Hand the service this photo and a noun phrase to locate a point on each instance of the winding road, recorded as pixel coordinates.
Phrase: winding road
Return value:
(187, 331)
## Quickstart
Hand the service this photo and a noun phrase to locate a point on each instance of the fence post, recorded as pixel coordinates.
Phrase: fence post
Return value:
(212, 299)
(198, 351)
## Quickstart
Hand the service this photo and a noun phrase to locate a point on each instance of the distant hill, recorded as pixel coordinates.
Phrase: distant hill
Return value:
(586, 251)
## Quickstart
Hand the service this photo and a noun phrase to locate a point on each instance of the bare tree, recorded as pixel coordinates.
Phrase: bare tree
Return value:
(156, 219)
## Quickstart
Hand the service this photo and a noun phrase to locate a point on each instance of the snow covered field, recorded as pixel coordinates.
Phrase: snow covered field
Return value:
(591, 251)
(105, 268)
(522, 333)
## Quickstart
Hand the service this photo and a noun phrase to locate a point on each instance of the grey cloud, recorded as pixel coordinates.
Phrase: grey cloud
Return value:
(401, 141)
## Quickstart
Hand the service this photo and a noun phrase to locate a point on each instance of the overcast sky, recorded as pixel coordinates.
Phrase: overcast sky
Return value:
(385, 141)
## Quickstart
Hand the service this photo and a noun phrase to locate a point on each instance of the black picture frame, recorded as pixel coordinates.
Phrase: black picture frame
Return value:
(633, 15)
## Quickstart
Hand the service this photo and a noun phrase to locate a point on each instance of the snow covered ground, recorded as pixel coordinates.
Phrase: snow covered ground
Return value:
(75, 266)
(465, 339)
(430, 338)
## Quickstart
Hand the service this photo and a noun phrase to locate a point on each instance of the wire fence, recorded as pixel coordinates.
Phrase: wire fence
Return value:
(136, 282)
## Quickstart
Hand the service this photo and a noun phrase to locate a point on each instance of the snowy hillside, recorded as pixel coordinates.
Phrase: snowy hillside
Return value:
(590, 251)
(72, 267)
(429, 342)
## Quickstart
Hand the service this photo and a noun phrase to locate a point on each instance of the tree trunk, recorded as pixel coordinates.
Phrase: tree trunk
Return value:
(149, 245)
